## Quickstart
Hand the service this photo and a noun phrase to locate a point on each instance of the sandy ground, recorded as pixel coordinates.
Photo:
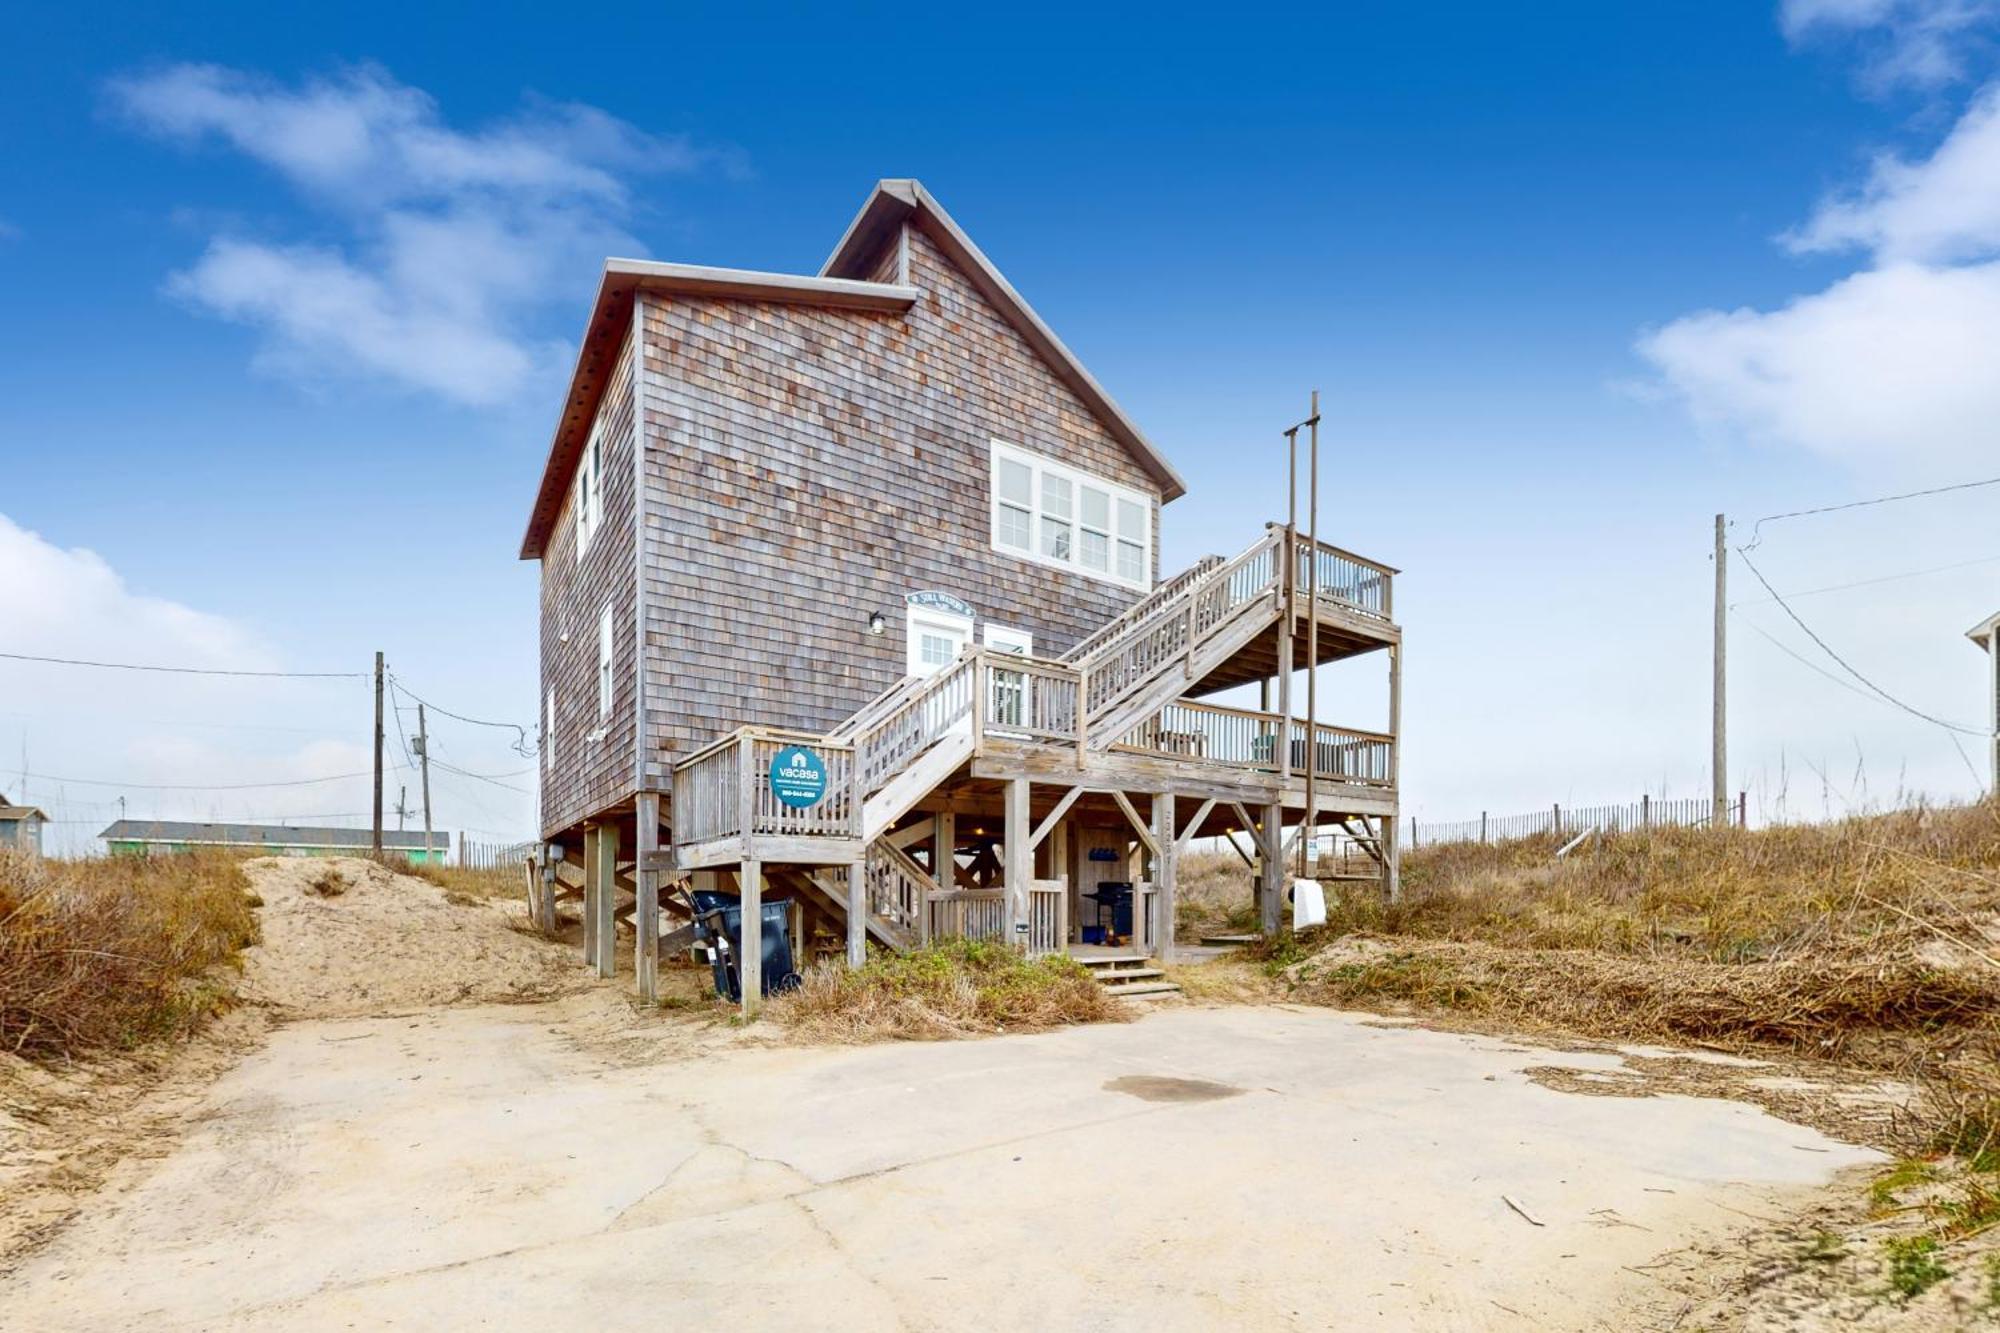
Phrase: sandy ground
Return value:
(428, 1118)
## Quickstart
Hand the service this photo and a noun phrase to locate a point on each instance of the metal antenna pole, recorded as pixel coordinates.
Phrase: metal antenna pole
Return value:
(1312, 644)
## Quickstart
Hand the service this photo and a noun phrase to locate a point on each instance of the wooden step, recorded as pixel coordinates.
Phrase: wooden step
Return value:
(1140, 989)
(1097, 961)
(1112, 974)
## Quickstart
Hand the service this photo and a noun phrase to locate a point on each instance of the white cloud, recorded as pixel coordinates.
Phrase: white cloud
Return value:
(1914, 43)
(1895, 363)
(454, 238)
(1944, 209)
(1890, 364)
(143, 727)
(72, 604)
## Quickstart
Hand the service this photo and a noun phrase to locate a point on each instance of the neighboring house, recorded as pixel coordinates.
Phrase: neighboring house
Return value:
(141, 837)
(1987, 635)
(850, 588)
(21, 828)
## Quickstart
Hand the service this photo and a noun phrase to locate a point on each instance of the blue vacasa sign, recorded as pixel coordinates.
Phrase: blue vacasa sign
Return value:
(798, 776)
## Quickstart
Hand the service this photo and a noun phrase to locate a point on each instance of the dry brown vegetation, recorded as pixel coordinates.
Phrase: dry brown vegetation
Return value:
(955, 988)
(463, 885)
(1872, 939)
(105, 954)
(1213, 896)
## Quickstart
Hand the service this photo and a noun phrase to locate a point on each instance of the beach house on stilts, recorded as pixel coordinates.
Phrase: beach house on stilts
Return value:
(850, 595)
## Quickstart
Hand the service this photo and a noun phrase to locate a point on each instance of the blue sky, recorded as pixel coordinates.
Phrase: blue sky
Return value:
(1487, 234)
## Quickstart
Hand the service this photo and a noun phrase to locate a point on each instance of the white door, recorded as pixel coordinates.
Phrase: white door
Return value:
(1008, 704)
(935, 639)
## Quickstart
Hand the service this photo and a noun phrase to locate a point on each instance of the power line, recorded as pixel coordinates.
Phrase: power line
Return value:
(1886, 578)
(1860, 504)
(188, 671)
(494, 779)
(521, 733)
(1805, 662)
(183, 786)
(1844, 664)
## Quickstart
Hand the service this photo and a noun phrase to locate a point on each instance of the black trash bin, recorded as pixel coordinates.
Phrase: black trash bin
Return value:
(719, 922)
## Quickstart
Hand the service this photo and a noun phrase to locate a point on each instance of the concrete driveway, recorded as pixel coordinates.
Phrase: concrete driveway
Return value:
(1270, 1167)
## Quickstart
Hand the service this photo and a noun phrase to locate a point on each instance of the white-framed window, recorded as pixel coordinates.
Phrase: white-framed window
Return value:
(1001, 639)
(590, 490)
(1053, 514)
(935, 639)
(604, 662)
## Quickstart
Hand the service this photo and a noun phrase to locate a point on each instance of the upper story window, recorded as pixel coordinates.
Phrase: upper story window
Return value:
(1055, 515)
(590, 490)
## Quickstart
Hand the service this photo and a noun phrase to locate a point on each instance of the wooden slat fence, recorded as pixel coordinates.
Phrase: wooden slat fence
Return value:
(971, 914)
(1565, 821)
(1048, 916)
(476, 855)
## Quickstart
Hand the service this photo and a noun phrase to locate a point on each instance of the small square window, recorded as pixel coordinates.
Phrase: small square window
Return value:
(1016, 528)
(1055, 496)
(1055, 538)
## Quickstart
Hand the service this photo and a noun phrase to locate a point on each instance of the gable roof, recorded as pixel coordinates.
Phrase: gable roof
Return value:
(897, 201)
(1984, 632)
(16, 814)
(839, 284)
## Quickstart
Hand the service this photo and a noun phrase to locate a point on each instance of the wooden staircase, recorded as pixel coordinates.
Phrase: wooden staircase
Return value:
(1130, 975)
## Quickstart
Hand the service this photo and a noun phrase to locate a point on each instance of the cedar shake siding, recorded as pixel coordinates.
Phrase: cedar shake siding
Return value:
(587, 762)
(806, 466)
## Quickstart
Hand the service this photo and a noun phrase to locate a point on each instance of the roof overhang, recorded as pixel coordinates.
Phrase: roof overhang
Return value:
(895, 201)
(604, 335)
(1983, 633)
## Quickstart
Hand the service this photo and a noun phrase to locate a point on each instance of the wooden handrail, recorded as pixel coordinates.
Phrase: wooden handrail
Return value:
(1145, 606)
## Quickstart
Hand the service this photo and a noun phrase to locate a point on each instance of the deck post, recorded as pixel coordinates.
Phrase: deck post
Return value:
(646, 910)
(589, 894)
(1165, 874)
(1285, 701)
(944, 837)
(857, 912)
(1019, 863)
(1271, 890)
(750, 958)
(606, 903)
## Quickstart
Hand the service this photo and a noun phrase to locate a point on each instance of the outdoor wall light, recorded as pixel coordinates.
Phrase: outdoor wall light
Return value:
(876, 624)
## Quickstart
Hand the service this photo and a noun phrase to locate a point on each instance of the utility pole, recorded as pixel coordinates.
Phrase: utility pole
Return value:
(1719, 759)
(402, 797)
(378, 754)
(424, 758)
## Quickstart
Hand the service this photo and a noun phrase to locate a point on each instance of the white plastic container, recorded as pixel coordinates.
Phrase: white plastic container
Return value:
(1308, 904)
